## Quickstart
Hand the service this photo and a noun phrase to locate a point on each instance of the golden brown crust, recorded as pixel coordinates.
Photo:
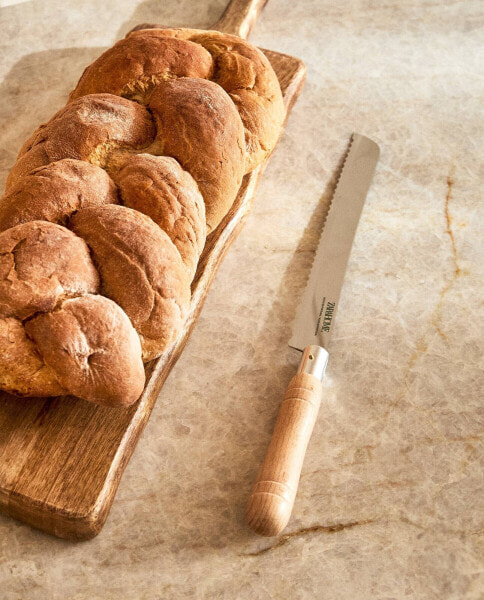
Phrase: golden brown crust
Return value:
(197, 111)
(50, 353)
(200, 127)
(22, 369)
(40, 263)
(52, 193)
(141, 270)
(244, 72)
(136, 63)
(87, 129)
(158, 187)
(91, 345)
(239, 68)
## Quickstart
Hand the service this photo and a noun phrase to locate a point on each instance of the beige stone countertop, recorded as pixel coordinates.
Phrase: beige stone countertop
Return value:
(390, 504)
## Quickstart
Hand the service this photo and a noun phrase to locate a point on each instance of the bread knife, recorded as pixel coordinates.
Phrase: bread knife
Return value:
(270, 504)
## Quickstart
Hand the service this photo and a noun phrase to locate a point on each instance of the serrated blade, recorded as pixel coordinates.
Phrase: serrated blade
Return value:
(316, 312)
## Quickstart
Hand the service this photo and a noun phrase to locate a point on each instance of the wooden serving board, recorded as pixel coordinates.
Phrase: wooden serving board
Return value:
(61, 459)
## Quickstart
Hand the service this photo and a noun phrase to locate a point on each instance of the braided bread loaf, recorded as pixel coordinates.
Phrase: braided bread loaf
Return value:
(108, 206)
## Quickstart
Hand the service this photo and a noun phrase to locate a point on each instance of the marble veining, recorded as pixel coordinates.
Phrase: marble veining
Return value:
(390, 504)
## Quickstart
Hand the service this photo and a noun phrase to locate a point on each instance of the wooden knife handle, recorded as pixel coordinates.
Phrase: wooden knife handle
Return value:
(270, 504)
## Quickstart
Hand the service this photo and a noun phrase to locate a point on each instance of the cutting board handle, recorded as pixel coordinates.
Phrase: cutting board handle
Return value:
(240, 17)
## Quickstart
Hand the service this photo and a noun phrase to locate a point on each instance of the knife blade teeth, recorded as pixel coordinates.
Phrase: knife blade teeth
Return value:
(321, 229)
(326, 215)
(317, 308)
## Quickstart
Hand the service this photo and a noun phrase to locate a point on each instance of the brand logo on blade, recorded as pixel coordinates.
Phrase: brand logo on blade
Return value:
(326, 316)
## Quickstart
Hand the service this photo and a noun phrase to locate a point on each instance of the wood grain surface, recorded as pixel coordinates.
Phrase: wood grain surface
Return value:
(272, 498)
(240, 17)
(61, 459)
